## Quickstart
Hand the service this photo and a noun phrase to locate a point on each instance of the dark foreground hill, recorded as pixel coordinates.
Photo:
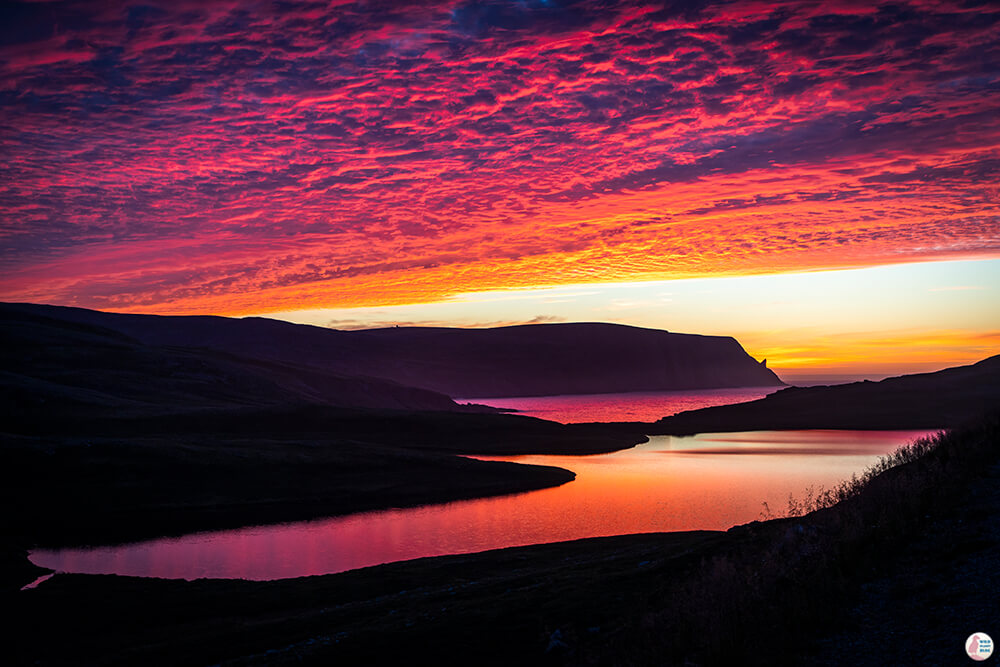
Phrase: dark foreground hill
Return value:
(530, 360)
(104, 437)
(926, 400)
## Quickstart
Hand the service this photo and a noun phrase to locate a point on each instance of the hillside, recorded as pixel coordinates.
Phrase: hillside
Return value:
(56, 367)
(927, 400)
(542, 359)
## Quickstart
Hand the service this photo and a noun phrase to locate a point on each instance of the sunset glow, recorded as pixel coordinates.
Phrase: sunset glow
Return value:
(872, 322)
(459, 164)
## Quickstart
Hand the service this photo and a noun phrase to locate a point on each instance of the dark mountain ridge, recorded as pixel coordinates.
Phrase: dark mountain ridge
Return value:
(545, 359)
(540, 359)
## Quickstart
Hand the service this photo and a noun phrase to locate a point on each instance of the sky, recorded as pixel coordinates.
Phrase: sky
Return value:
(819, 179)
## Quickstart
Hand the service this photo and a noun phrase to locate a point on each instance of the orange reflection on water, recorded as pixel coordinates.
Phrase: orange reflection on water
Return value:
(623, 407)
(710, 481)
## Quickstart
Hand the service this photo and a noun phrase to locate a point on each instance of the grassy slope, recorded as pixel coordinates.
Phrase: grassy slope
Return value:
(497, 608)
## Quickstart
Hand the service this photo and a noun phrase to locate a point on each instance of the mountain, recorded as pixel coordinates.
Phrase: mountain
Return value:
(941, 399)
(58, 368)
(548, 359)
(541, 359)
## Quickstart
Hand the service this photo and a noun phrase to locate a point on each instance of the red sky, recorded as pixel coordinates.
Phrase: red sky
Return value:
(232, 158)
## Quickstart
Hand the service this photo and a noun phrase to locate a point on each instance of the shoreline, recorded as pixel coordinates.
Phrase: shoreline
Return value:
(81, 528)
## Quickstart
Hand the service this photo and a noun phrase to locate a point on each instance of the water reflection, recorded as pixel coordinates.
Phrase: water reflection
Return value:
(637, 406)
(709, 481)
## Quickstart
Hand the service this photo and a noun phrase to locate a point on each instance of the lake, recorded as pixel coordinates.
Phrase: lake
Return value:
(635, 406)
(708, 481)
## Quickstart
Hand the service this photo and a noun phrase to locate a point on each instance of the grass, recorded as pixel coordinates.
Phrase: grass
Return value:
(819, 498)
(754, 603)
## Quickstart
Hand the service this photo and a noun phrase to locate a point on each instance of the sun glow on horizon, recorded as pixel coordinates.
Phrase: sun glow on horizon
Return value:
(877, 320)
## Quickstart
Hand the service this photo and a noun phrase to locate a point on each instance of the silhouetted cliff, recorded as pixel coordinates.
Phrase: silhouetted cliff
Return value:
(508, 361)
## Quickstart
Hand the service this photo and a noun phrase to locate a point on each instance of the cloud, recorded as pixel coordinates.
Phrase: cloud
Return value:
(348, 153)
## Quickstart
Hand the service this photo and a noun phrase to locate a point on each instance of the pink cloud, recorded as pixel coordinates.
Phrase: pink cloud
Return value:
(189, 155)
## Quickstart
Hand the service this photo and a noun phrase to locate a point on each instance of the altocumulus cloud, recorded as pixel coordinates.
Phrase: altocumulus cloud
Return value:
(224, 157)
